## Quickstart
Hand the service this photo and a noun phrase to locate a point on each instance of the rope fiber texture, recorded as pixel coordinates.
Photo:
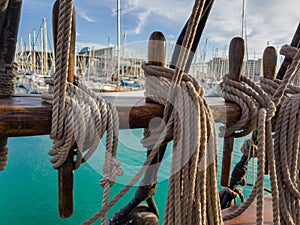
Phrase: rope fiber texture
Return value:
(283, 156)
(79, 116)
(257, 111)
(193, 194)
(10, 11)
(286, 143)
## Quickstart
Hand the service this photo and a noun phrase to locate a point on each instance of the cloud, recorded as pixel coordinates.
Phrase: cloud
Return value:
(84, 16)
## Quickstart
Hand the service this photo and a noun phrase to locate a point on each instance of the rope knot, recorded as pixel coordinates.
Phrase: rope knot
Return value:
(249, 148)
(110, 173)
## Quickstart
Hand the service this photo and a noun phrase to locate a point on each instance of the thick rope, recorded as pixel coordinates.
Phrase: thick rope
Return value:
(10, 11)
(188, 156)
(286, 147)
(257, 109)
(79, 116)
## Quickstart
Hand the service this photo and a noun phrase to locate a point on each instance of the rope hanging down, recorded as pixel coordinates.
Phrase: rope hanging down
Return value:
(193, 186)
(286, 147)
(79, 116)
(257, 110)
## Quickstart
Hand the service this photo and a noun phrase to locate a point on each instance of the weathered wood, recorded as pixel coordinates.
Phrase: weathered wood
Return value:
(157, 49)
(269, 72)
(269, 62)
(65, 172)
(236, 57)
(66, 186)
(286, 62)
(288, 51)
(29, 115)
(248, 217)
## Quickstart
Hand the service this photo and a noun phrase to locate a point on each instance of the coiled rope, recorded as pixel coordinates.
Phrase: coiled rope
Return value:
(283, 160)
(193, 184)
(79, 116)
(286, 145)
(257, 110)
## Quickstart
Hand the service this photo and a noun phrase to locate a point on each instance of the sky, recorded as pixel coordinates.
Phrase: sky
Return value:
(268, 22)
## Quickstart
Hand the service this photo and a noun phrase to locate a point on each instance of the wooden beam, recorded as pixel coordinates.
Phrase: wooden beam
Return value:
(236, 57)
(248, 217)
(29, 115)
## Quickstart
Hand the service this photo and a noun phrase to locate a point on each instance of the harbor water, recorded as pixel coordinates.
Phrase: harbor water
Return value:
(29, 185)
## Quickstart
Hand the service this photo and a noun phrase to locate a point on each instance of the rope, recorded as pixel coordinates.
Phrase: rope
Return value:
(79, 116)
(194, 157)
(10, 12)
(287, 150)
(257, 110)
(3, 153)
(193, 166)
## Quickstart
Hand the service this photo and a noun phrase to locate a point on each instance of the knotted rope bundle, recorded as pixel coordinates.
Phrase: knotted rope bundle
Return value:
(79, 116)
(193, 193)
(193, 196)
(286, 147)
(257, 110)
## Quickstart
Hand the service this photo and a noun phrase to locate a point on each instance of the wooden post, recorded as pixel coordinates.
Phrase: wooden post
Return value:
(269, 62)
(157, 49)
(65, 172)
(236, 57)
(156, 52)
(269, 72)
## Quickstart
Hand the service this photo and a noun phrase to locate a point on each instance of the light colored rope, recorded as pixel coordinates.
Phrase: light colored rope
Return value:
(79, 116)
(258, 109)
(193, 166)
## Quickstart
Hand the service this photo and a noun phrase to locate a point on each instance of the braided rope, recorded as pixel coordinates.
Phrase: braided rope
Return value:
(257, 109)
(286, 144)
(79, 116)
(193, 197)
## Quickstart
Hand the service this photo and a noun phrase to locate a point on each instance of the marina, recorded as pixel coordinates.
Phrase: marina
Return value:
(146, 142)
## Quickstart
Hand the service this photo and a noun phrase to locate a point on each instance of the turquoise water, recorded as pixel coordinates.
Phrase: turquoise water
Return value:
(28, 186)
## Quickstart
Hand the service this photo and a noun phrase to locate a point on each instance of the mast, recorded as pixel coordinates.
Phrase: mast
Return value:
(244, 35)
(119, 39)
(45, 46)
(33, 51)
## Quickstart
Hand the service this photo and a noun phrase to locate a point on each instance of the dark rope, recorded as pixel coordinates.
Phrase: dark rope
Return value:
(10, 11)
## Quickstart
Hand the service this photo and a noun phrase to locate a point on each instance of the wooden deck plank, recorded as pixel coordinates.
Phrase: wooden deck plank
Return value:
(249, 216)
(29, 115)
